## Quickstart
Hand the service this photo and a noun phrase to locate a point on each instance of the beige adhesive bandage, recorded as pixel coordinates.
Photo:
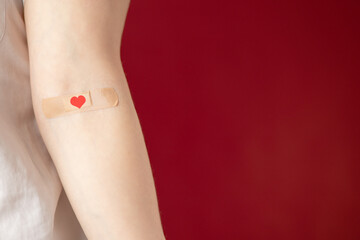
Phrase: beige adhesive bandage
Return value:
(80, 102)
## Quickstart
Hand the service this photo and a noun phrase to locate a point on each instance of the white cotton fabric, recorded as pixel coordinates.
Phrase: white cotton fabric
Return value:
(33, 205)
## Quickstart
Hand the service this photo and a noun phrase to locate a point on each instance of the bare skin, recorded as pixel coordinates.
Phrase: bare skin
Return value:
(100, 155)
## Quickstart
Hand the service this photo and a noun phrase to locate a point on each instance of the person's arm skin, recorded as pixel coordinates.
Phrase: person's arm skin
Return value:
(101, 157)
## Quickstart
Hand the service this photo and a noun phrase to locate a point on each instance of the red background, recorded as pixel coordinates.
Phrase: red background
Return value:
(250, 112)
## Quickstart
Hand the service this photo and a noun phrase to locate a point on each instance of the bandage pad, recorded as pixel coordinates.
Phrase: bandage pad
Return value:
(80, 102)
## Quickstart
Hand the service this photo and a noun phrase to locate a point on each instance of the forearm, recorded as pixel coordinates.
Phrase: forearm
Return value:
(101, 156)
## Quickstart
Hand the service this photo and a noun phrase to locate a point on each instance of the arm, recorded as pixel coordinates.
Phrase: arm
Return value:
(100, 155)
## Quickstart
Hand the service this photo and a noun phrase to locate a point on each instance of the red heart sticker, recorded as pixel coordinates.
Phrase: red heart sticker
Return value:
(78, 101)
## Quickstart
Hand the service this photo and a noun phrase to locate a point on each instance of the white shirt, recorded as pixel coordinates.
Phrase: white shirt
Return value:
(33, 204)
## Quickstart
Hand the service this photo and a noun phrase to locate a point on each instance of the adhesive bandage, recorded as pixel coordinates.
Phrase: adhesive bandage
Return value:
(80, 102)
